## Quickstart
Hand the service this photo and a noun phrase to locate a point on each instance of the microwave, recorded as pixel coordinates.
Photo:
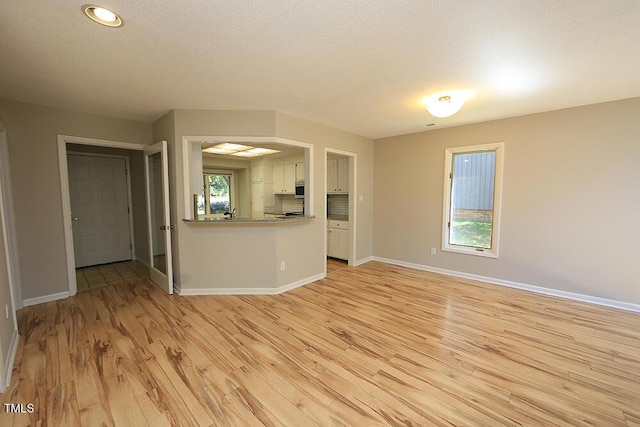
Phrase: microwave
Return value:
(299, 189)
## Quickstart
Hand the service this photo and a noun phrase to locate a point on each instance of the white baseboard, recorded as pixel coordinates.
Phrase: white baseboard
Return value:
(10, 358)
(45, 298)
(362, 261)
(532, 288)
(248, 291)
(177, 289)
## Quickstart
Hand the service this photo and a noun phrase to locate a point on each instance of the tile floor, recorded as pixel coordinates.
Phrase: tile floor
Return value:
(98, 276)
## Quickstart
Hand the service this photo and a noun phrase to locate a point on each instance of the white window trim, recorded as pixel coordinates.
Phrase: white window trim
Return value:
(498, 147)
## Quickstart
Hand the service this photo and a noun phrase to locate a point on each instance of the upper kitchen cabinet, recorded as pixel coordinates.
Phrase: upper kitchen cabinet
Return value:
(284, 178)
(258, 173)
(338, 175)
(300, 171)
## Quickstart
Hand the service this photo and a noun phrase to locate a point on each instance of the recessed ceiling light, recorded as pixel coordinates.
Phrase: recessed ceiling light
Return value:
(102, 15)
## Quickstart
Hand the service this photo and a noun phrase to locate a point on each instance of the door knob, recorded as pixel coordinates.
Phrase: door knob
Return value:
(75, 218)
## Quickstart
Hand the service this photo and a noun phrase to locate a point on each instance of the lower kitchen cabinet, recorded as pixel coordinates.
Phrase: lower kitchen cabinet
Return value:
(338, 239)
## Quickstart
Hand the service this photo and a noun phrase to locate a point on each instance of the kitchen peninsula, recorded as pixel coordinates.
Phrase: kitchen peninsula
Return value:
(254, 257)
(270, 246)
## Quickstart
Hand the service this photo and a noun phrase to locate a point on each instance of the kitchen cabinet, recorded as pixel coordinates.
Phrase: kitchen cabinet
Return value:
(257, 200)
(338, 175)
(258, 173)
(338, 239)
(300, 171)
(284, 178)
(261, 198)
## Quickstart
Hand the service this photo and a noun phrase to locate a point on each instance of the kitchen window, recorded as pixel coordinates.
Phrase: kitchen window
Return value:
(472, 195)
(216, 197)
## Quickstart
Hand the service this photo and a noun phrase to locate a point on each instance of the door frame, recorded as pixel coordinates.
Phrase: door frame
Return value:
(164, 280)
(7, 198)
(63, 140)
(353, 206)
(7, 358)
(132, 241)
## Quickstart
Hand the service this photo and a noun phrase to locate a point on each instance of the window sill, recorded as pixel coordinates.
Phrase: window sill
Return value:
(486, 253)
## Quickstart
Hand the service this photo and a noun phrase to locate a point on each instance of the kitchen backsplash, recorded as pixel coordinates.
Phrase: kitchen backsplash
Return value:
(286, 203)
(337, 205)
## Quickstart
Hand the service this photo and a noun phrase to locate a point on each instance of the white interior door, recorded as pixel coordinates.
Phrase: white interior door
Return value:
(100, 209)
(157, 176)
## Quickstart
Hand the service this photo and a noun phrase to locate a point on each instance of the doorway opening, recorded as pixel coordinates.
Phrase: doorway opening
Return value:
(340, 206)
(136, 225)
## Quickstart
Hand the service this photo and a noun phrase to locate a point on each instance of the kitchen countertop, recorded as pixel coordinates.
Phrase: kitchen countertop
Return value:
(273, 220)
(273, 212)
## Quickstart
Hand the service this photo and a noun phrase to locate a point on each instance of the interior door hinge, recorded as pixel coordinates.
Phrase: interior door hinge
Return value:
(448, 224)
(451, 175)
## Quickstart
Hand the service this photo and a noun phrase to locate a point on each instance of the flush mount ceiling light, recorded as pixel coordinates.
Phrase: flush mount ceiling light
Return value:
(226, 148)
(255, 152)
(102, 16)
(239, 150)
(444, 104)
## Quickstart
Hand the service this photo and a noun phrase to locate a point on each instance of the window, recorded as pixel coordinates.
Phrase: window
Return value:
(216, 196)
(473, 185)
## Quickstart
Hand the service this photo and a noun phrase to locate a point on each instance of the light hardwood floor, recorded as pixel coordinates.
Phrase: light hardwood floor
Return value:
(371, 345)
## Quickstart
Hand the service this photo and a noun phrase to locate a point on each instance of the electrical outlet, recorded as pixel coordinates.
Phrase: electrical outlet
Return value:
(433, 251)
(282, 265)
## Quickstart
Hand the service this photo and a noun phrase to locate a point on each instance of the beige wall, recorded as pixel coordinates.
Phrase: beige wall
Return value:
(32, 139)
(571, 197)
(323, 137)
(236, 256)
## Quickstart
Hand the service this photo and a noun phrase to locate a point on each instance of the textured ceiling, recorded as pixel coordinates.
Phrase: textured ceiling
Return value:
(362, 66)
